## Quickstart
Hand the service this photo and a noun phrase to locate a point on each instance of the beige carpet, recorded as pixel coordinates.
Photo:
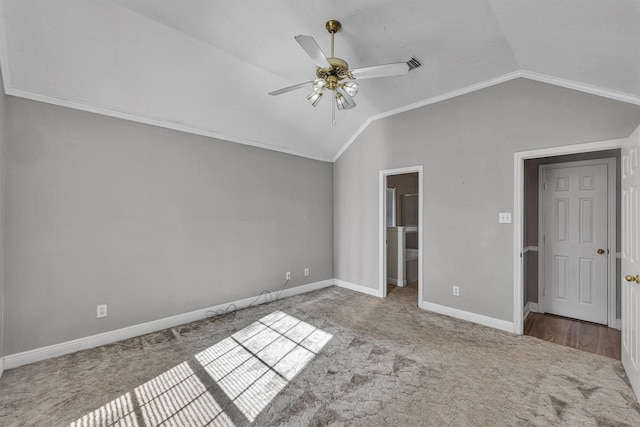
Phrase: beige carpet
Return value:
(331, 357)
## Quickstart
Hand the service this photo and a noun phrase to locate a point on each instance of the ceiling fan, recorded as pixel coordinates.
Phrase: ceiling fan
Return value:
(333, 73)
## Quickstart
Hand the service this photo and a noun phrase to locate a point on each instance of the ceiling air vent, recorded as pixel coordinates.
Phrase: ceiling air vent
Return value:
(413, 63)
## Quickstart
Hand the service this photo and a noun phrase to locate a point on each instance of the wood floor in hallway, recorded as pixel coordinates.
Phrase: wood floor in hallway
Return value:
(585, 336)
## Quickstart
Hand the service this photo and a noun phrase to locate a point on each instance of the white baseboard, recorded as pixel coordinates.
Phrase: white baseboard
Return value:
(358, 288)
(618, 324)
(468, 316)
(530, 307)
(1, 366)
(38, 354)
(394, 281)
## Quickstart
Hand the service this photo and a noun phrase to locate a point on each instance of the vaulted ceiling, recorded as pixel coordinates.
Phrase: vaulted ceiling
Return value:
(205, 66)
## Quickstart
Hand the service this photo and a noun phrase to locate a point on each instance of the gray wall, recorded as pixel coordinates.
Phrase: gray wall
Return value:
(530, 238)
(467, 146)
(3, 128)
(150, 221)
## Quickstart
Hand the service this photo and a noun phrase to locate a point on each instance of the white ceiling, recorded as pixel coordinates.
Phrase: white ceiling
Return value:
(205, 66)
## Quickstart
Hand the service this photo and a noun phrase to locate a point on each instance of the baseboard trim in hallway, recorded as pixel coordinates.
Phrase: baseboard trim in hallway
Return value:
(468, 316)
(55, 350)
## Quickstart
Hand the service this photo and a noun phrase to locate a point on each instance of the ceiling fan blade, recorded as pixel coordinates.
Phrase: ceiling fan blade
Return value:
(290, 88)
(310, 46)
(386, 70)
(350, 102)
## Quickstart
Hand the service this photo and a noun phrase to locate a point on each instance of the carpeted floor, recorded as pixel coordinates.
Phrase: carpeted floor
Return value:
(359, 361)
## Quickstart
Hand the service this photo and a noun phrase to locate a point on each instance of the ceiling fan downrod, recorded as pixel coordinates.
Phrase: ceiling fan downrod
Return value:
(333, 27)
(338, 68)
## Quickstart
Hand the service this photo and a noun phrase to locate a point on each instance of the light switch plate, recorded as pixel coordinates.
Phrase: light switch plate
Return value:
(504, 217)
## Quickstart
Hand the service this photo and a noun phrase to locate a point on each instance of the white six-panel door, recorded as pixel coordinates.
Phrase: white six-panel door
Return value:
(631, 260)
(575, 238)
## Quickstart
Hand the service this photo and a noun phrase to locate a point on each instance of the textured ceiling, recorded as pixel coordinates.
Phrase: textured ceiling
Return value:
(206, 66)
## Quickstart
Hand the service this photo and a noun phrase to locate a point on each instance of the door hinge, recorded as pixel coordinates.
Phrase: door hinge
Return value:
(544, 291)
(544, 186)
(544, 238)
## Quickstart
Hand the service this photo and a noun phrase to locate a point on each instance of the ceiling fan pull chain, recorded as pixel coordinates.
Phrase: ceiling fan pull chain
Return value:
(333, 114)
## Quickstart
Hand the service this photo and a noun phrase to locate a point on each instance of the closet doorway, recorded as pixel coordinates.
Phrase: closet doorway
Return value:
(571, 275)
(401, 233)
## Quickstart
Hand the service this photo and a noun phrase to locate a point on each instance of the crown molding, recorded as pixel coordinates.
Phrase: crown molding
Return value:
(9, 89)
(543, 78)
(581, 87)
(139, 118)
(463, 91)
(97, 109)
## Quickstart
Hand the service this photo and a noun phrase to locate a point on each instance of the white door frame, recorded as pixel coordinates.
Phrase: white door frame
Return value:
(518, 211)
(612, 219)
(382, 282)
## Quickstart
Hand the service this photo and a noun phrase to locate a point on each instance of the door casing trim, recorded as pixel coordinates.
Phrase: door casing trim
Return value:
(518, 211)
(382, 227)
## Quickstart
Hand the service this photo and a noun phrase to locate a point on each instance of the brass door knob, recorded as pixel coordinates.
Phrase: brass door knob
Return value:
(600, 251)
(630, 278)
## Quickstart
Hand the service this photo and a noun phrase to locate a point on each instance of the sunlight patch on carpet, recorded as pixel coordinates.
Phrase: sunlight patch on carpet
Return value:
(250, 367)
(257, 362)
(118, 410)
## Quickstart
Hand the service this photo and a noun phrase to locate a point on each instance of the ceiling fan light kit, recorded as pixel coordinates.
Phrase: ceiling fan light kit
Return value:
(314, 98)
(341, 102)
(331, 73)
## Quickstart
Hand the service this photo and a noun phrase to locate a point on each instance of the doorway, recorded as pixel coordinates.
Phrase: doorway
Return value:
(400, 225)
(538, 268)
(522, 244)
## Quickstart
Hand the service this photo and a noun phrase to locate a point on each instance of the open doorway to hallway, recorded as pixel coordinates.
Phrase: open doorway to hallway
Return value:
(401, 233)
(571, 271)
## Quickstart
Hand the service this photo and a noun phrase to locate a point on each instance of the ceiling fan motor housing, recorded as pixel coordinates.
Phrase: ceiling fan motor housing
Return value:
(339, 70)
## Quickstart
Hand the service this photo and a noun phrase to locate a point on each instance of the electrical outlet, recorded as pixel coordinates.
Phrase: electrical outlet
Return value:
(288, 275)
(101, 311)
(456, 291)
(306, 272)
(504, 217)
